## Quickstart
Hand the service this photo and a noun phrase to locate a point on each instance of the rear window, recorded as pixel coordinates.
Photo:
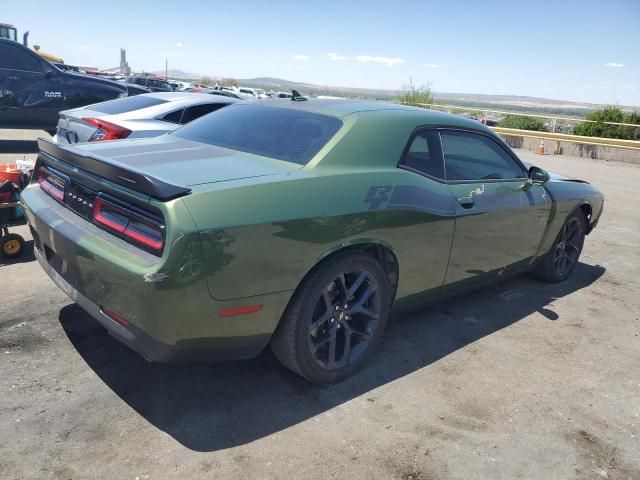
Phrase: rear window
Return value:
(280, 133)
(126, 104)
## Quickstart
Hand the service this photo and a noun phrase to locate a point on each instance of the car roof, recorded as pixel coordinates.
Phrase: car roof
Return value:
(342, 108)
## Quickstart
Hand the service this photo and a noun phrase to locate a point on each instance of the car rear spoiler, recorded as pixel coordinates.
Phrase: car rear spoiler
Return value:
(104, 167)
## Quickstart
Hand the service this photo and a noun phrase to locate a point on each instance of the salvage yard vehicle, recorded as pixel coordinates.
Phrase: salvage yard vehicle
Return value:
(155, 84)
(33, 91)
(146, 115)
(297, 224)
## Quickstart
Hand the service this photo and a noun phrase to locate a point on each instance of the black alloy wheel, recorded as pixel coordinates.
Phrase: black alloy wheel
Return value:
(344, 319)
(335, 319)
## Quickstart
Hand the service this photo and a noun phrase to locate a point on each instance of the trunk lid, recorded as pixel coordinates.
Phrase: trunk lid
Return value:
(184, 162)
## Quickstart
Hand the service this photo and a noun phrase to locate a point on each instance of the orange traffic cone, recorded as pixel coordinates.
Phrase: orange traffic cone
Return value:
(540, 149)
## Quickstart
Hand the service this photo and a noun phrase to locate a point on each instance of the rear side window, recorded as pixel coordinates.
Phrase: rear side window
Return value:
(14, 58)
(197, 111)
(173, 117)
(280, 133)
(126, 104)
(424, 154)
(471, 156)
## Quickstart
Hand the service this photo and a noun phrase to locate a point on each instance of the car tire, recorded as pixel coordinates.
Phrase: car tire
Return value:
(335, 318)
(558, 263)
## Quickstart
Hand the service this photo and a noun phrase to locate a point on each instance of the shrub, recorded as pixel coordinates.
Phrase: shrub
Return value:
(523, 122)
(604, 130)
(411, 94)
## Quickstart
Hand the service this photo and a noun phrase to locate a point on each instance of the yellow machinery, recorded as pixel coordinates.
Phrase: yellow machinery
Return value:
(9, 32)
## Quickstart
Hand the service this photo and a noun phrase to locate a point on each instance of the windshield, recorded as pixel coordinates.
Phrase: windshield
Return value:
(280, 133)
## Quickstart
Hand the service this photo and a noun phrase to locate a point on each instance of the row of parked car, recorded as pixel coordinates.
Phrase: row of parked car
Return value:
(34, 91)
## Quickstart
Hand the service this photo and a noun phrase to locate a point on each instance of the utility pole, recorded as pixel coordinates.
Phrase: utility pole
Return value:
(166, 69)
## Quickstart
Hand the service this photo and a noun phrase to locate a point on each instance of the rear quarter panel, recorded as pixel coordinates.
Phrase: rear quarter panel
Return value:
(266, 237)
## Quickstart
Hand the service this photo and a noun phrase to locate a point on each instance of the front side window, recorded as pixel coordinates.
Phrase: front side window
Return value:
(471, 156)
(284, 134)
(424, 154)
(14, 58)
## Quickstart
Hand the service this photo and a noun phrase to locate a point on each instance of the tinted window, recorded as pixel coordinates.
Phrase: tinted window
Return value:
(17, 59)
(424, 154)
(281, 133)
(173, 117)
(198, 111)
(126, 104)
(470, 156)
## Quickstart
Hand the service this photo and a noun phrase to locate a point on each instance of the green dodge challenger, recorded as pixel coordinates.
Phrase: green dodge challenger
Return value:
(294, 224)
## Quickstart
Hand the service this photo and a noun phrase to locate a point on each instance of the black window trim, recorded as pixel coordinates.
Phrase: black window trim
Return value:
(414, 134)
(494, 140)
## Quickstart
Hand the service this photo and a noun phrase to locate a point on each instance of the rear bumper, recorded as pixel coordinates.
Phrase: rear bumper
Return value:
(153, 350)
(168, 311)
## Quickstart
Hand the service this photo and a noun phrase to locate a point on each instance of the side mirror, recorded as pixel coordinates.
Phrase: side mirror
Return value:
(538, 176)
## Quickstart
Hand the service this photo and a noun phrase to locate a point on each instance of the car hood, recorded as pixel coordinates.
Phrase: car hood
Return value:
(184, 162)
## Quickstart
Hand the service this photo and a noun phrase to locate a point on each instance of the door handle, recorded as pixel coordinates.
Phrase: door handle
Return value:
(466, 202)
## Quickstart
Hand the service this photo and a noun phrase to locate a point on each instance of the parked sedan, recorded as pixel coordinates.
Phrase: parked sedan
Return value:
(295, 224)
(146, 115)
(155, 84)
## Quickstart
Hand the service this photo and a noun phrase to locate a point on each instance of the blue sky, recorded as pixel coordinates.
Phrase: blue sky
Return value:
(573, 50)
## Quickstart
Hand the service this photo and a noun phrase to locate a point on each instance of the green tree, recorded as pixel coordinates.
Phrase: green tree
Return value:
(412, 94)
(523, 122)
(598, 127)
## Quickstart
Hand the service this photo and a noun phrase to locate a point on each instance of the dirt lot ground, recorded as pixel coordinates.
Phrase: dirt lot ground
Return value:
(521, 380)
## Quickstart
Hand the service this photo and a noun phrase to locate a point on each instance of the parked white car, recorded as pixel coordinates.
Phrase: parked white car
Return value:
(146, 115)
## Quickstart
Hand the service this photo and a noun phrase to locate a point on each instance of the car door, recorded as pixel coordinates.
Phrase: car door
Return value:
(30, 93)
(500, 216)
(423, 194)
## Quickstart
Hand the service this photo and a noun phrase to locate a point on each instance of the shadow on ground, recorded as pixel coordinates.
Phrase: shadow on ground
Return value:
(18, 146)
(215, 406)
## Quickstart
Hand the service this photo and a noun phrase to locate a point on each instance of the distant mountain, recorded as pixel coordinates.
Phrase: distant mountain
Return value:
(511, 102)
(177, 73)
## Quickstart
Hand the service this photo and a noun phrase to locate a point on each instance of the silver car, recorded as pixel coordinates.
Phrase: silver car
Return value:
(146, 115)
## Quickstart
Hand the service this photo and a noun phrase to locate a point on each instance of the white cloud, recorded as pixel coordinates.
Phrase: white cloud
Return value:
(388, 61)
(179, 44)
(300, 58)
(614, 65)
(335, 56)
(432, 65)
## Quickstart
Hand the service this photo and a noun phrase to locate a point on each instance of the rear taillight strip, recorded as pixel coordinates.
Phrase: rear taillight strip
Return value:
(106, 130)
(48, 187)
(144, 231)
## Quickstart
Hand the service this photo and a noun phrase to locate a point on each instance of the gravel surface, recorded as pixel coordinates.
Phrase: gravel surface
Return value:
(520, 380)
